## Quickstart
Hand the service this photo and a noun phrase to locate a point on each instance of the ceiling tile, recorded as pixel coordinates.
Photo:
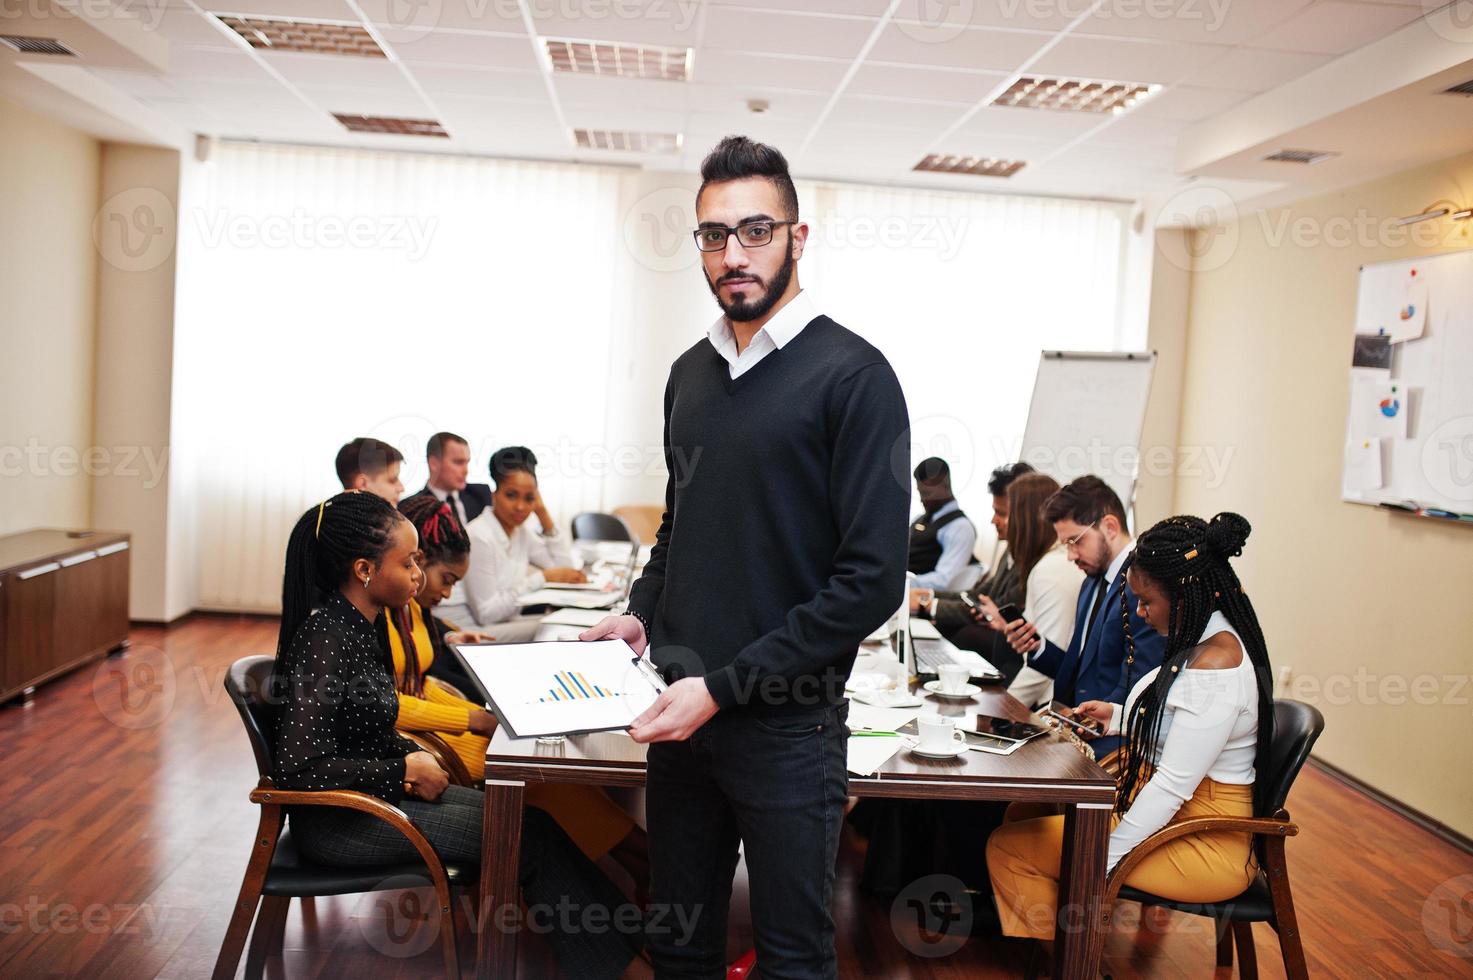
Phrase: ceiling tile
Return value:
(915, 82)
(978, 143)
(464, 48)
(645, 22)
(380, 101)
(328, 69)
(864, 110)
(1134, 130)
(140, 85)
(422, 16)
(728, 29)
(184, 25)
(865, 8)
(735, 67)
(1227, 22)
(1335, 28)
(217, 64)
(1188, 102)
(1034, 123)
(933, 19)
(1254, 69)
(306, 9)
(1122, 60)
(972, 48)
(637, 118)
(482, 83)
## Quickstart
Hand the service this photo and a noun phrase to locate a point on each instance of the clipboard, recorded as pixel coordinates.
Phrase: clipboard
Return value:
(561, 687)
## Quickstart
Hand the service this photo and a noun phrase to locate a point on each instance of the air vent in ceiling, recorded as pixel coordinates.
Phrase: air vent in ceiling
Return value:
(390, 124)
(313, 36)
(612, 139)
(945, 163)
(623, 60)
(1464, 88)
(36, 45)
(1073, 94)
(1300, 156)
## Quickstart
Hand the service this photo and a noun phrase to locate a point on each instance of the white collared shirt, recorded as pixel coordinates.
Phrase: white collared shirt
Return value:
(1104, 586)
(504, 567)
(444, 495)
(785, 324)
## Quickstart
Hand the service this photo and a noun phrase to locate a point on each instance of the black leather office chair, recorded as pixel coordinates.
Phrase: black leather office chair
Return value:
(1268, 899)
(593, 526)
(279, 872)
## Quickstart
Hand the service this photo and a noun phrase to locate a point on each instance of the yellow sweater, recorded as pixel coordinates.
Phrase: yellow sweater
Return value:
(438, 710)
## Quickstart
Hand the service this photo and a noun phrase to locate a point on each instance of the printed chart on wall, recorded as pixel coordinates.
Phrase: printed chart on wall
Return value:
(1409, 424)
(561, 687)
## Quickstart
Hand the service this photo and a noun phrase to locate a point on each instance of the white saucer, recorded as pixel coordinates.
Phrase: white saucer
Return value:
(961, 749)
(866, 681)
(965, 694)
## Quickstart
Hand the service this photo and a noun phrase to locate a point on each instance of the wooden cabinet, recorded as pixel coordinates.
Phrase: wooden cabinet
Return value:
(63, 602)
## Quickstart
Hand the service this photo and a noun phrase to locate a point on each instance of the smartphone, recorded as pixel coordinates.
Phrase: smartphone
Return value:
(1081, 723)
(1010, 613)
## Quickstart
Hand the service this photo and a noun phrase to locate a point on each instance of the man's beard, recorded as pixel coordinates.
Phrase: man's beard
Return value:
(745, 310)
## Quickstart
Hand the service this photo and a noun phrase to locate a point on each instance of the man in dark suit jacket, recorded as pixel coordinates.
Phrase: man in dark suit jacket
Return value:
(1090, 520)
(448, 457)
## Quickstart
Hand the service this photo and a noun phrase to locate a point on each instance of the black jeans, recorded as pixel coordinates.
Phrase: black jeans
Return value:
(775, 784)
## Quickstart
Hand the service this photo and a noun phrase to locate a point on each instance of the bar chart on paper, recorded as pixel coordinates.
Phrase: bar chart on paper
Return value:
(555, 687)
(568, 685)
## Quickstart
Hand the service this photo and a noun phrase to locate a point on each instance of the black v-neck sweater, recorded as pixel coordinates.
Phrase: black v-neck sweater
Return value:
(783, 543)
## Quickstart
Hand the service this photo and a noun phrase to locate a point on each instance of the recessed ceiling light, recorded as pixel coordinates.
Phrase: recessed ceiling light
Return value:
(613, 139)
(1073, 94)
(1300, 156)
(946, 163)
(623, 60)
(314, 36)
(390, 124)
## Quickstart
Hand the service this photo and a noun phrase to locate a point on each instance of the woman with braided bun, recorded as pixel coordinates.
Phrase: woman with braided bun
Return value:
(349, 559)
(416, 640)
(1198, 730)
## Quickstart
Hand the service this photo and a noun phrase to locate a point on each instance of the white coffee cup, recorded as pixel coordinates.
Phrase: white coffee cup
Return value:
(938, 733)
(953, 677)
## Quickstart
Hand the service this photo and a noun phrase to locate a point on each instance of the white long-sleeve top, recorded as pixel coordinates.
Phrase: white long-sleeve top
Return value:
(1209, 728)
(504, 566)
(1049, 602)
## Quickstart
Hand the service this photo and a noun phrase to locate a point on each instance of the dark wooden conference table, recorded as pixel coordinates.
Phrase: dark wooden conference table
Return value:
(1045, 770)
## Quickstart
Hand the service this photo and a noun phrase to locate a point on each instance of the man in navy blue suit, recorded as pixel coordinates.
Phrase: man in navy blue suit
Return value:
(1090, 520)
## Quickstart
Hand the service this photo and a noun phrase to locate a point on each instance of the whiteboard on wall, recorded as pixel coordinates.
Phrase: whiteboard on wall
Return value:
(1086, 416)
(1409, 413)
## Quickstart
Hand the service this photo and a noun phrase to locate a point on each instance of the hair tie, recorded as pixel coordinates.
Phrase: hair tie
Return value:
(432, 526)
(320, 508)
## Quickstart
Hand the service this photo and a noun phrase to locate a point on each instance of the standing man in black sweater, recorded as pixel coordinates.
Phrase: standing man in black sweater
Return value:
(782, 546)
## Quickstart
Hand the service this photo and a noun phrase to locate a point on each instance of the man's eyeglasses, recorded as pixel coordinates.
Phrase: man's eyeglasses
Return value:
(752, 234)
(1074, 541)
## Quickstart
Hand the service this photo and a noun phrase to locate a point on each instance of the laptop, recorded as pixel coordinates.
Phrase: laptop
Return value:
(922, 648)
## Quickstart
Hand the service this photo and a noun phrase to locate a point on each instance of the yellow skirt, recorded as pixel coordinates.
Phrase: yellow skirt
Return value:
(1023, 857)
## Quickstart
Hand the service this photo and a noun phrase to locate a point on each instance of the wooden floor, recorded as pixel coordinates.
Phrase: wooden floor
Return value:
(125, 829)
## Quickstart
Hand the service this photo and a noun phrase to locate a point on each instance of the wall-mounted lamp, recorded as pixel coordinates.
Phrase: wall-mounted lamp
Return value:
(1437, 209)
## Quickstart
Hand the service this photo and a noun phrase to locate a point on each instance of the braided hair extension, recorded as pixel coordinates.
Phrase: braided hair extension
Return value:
(1189, 558)
(442, 539)
(325, 542)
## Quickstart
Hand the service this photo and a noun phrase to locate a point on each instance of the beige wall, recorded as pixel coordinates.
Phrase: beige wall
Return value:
(1166, 334)
(1358, 602)
(135, 352)
(48, 289)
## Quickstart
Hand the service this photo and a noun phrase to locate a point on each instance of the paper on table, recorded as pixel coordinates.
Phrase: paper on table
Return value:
(1363, 465)
(578, 600)
(1378, 408)
(867, 754)
(575, 617)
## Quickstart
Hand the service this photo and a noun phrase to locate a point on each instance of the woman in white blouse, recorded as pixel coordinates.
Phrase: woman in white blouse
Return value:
(508, 558)
(1051, 583)
(1198, 730)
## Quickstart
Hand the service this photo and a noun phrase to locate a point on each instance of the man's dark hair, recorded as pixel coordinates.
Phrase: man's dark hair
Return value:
(1084, 501)
(435, 448)
(367, 456)
(1003, 477)
(738, 158)
(512, 459)
(931, 469)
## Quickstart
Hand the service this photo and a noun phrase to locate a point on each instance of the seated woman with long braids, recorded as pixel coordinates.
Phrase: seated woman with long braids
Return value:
(348, 559)
(416, 640)
(1198, 729)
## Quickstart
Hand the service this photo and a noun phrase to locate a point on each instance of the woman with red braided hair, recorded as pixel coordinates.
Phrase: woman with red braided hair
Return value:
(416, 641)
(1198, 730)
